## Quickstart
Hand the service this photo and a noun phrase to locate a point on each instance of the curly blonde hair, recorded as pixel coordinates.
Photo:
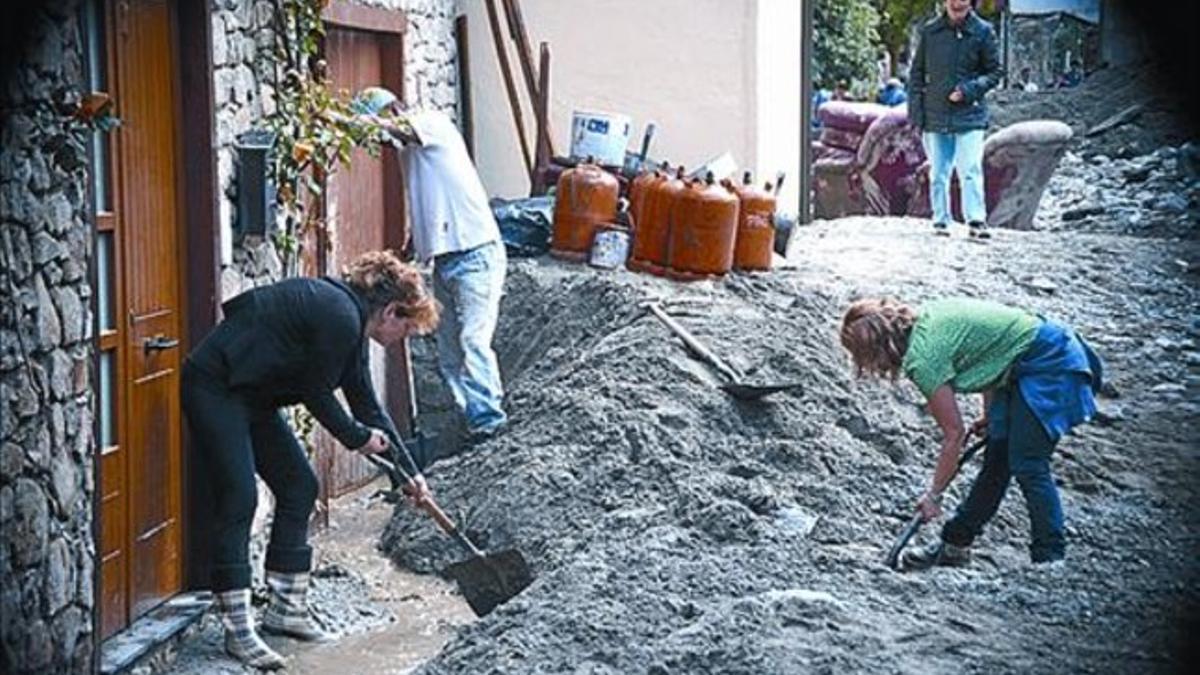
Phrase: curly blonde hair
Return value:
(380, 278)
(875, 331)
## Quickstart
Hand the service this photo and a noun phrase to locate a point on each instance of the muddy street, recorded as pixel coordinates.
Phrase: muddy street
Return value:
(390, 620)
(674, 529)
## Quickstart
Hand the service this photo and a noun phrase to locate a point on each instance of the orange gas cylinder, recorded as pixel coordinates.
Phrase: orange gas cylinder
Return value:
(639, 188)
(586, 197)
(653, 233)
(706, 217)
(756, 227)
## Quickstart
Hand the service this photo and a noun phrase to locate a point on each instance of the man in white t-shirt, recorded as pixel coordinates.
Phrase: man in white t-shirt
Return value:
(452, 226)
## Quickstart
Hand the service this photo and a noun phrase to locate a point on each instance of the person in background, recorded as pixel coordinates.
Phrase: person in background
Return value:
(296, 341)
(841, 91)
(1025, 81)
(955, 65)
(1073, 77)
(452, 227)
(1037, 379)
(820, 97)
(892, 93)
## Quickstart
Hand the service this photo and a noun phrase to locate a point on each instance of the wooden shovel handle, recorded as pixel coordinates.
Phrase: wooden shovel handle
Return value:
(693, 343)
(439, 516)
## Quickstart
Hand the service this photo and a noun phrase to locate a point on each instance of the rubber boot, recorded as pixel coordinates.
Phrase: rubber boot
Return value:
(288, 612)
(241, 640)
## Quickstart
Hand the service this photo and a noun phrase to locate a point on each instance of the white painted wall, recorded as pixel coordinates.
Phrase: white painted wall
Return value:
(694, 67)
(778, 109)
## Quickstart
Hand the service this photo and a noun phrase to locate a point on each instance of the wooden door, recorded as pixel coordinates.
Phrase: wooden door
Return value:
(365, 211)
(140, 471)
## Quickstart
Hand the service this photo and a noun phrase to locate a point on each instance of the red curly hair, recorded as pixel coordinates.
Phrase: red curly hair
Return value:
(875, 331)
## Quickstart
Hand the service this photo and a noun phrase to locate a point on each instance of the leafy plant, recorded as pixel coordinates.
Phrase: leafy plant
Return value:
(315, 129)
(846, 41)
(897, 19)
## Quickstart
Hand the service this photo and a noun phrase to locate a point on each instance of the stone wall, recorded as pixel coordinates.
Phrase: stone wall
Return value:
(243, 80)
(1043, 44)
(47, 554)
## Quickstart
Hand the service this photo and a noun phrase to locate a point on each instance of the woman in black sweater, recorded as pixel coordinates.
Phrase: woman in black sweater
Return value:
(292, 342)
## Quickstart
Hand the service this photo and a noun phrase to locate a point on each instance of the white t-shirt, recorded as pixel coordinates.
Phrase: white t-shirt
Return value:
(447, 204)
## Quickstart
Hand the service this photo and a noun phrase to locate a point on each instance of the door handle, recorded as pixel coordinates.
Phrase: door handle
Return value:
(158, 343)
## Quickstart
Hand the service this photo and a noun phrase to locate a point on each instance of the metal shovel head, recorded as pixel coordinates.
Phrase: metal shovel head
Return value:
(492, 579)
(752, 392)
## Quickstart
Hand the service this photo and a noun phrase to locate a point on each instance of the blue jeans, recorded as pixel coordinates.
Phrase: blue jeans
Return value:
(468, 284)
(964, 153)
(1025, 455)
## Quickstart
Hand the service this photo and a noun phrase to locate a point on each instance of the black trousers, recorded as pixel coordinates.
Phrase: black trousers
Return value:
(235, 439)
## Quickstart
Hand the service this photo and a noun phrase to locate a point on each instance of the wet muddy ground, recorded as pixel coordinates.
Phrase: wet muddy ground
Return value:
(391, 620)
(675, 530)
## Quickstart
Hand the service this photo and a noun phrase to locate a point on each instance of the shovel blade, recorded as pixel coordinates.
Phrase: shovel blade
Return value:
(491, 580)
(753, 392)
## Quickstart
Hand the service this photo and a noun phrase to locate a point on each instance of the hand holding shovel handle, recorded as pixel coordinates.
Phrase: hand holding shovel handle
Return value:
(915, 523)
(486, 580)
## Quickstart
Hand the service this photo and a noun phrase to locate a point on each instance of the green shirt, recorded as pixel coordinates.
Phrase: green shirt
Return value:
(966, 343)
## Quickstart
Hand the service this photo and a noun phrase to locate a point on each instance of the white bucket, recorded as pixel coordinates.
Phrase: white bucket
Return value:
(600, 135)
(610, 248)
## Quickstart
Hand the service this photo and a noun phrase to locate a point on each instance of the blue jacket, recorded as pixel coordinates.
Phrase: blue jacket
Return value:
(949, 57)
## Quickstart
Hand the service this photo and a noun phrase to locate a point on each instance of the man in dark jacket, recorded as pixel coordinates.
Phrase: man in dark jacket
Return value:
(955, 65)
(293, 342)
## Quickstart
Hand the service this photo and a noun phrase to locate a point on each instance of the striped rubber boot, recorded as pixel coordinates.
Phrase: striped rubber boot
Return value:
(288, 612)
(241, 641)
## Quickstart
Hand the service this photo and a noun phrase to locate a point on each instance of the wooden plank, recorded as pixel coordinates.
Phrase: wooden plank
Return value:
(1121, 117)
(509, 86)
(541, 107)
(360, 17)
(464, 82)
(537, 91)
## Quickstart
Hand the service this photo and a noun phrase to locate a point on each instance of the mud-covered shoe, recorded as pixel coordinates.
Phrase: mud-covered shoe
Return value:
(288, 614)
(933, 554)
(241, 641)
(978, 230)
(486, 432)
(941, 230)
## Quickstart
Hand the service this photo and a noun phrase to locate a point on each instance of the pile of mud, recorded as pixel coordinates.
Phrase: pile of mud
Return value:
(1166, 118)
(675, 530)
(1154, 195)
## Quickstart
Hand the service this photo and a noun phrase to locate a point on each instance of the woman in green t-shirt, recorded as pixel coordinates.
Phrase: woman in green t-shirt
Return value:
(1036, 378)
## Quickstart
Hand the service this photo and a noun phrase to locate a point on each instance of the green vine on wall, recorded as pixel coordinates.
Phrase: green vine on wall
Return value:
(315, 128)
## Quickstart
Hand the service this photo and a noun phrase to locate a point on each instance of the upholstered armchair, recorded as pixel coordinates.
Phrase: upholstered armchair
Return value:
(1018, 161)
(874, 176)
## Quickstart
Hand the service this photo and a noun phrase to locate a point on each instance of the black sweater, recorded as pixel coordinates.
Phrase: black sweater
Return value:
(297, 341)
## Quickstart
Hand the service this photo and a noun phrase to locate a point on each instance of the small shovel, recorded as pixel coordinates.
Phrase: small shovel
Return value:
(910, 530)
(486, 580)
(734, 386)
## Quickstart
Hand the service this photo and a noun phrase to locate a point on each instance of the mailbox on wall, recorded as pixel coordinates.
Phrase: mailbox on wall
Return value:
(255, 189)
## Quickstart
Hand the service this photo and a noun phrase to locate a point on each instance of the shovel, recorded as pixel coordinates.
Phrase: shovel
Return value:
(486, 580)
(910, 530)
(734, 386)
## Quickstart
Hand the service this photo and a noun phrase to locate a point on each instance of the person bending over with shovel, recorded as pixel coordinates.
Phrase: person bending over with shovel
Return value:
(295, 341)
(1036, 377)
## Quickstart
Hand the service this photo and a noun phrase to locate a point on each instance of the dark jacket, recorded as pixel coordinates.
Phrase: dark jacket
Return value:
(949, 57)
(297, 341)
